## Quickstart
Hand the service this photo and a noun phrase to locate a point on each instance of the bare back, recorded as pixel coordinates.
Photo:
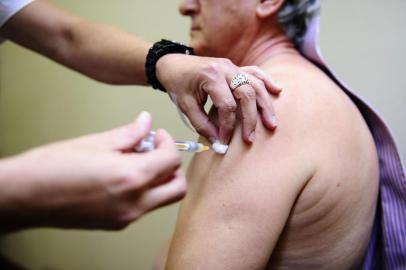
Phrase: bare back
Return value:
(302, 197)
(330, 223)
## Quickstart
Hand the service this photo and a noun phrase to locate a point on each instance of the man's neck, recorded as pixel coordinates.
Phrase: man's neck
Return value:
(267, 45)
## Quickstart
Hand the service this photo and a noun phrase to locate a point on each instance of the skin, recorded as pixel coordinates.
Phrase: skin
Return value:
(301, 197)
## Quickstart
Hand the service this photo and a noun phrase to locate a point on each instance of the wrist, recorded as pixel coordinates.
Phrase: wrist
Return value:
(158, 51)
(164, 66)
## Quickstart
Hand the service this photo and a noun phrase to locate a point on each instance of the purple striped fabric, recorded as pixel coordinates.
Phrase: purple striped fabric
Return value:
(387, 246)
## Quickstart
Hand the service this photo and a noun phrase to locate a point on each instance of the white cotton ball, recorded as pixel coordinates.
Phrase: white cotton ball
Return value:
(219, 148)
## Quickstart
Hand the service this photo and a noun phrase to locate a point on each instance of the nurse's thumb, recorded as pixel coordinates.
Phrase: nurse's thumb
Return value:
(125, 138)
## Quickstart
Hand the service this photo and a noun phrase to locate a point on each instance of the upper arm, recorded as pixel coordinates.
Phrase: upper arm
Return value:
(237, 205)
(42, 27)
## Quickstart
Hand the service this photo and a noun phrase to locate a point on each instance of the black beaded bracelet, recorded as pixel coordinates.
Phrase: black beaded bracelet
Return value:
(160, 49)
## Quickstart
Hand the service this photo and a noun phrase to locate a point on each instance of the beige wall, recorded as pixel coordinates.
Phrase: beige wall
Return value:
(42, 102)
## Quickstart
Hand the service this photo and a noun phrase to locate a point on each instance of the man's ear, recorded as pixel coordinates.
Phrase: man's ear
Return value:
(268, 8)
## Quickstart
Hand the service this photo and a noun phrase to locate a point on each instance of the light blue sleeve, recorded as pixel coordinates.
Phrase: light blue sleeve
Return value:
(10, 7)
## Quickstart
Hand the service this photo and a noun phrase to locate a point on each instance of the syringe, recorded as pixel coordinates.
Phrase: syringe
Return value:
(148, 144)
(190, 146)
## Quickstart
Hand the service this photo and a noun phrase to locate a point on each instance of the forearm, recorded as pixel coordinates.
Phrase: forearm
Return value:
(12, 193)
(106, 54)
(26, 200)
(96, 50)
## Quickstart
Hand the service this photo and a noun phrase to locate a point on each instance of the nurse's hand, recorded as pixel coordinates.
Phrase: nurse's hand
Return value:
(94, 182)
(192, 79)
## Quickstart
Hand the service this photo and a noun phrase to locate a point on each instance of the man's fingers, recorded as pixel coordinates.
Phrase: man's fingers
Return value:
(271, 85)
(199, 119)
(264, 103)
(246, 97)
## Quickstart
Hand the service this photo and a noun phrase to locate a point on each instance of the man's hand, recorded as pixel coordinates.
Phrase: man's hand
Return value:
(94, 182)
(192, 79)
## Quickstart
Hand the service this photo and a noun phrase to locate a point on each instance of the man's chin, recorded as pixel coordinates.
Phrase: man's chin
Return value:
(199, 48)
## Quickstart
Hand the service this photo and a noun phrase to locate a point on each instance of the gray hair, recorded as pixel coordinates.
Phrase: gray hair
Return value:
(295, 16)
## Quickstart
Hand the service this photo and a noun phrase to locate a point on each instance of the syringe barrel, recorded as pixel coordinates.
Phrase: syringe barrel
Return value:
(193, 146)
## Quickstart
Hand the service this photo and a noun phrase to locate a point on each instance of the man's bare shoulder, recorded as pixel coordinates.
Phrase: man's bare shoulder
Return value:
(310, 94)
(313, 114)
(264, 197)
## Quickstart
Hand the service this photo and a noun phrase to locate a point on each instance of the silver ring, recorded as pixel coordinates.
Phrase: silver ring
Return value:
(239, 80)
